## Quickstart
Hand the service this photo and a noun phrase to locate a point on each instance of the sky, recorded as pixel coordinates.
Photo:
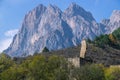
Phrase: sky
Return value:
(12, 13)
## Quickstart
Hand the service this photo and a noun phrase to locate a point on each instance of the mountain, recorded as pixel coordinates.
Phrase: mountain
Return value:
(81, 22)
(55, 29)
(113, 23)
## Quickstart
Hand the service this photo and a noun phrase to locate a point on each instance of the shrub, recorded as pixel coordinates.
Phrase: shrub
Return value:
(89, 72)
(45, 49)
(112, 73)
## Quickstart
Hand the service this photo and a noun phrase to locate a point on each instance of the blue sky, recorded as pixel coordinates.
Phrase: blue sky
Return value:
(12, 13)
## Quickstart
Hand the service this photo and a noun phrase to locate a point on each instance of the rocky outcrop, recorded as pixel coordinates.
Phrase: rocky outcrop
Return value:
(83, 49)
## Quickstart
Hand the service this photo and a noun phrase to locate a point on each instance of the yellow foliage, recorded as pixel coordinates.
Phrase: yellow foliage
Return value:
(112, 73)
(111, 37)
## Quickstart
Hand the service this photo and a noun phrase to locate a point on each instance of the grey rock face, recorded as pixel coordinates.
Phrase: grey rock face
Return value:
(113, 23)
(50, 27)
(81, 22)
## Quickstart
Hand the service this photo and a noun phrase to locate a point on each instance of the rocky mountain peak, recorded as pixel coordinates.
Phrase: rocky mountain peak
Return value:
(53, 7)
(34, 14)
(115, 17)
(105, 21)
(116, 12)
(39, 7)
(37, 10)
(113, 23)
(74, 6)
(76, 10)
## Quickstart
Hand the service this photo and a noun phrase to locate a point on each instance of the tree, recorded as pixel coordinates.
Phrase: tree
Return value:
(5, 62)
(112, 73)
(45, 49)
(14, 73)
(89, 72)
(112, 38)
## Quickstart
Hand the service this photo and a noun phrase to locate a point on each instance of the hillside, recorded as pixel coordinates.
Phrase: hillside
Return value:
(103, 50)
(94, 54)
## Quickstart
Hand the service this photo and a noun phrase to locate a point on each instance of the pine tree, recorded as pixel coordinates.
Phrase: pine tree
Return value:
(45, 49)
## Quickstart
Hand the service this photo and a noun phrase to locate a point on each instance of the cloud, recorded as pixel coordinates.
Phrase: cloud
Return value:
(11, 33)
(4, 43)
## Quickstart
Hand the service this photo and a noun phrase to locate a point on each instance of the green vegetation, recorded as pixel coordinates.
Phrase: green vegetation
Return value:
(45, 49)
(37, 67)
(112, 40)
(40, 67)
(89, 72)
(112, 73)
(5, 62)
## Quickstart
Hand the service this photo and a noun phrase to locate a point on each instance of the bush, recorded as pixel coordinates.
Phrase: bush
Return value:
(14, 73)
(45, 49)
(89, 72)
(112, 73)
(5, 62)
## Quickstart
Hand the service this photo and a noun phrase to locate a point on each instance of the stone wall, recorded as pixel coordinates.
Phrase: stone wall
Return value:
(75, 61)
